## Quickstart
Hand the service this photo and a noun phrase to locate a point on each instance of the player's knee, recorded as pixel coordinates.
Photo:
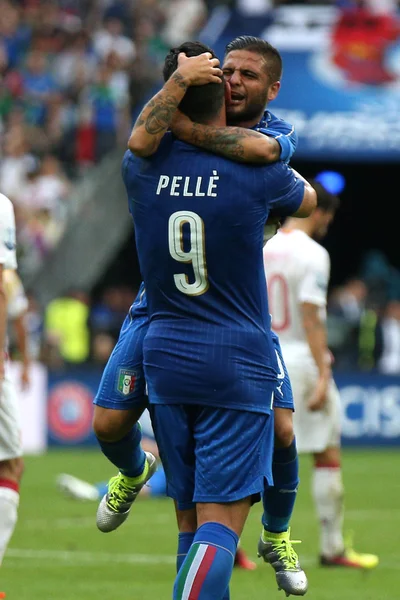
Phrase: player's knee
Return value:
(107, 425)
(19, 467)
(284, 433)
(12, 469)
(329, 458)
(187, 520)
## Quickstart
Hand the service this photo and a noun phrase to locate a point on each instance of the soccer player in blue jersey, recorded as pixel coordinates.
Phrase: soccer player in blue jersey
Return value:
(253, 70)
(209, 358)
(121, 397)
(116, 412)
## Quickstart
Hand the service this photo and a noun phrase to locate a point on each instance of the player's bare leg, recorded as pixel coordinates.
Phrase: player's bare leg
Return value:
(119, 435)
(187, 525)
(275, 546)
(10, 478)
(328, 493)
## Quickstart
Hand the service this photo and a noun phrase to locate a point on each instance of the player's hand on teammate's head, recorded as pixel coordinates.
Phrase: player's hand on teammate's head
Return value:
(199, 70)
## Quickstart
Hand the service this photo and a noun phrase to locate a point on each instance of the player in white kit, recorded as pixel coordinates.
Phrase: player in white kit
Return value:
(11, 464)
(297, 269)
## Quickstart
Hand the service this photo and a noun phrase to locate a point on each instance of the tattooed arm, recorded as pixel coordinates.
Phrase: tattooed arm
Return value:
(156, 116)
(236, 143)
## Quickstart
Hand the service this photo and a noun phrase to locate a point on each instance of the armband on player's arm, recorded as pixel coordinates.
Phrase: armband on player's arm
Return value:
(236, 143)
(156, 116)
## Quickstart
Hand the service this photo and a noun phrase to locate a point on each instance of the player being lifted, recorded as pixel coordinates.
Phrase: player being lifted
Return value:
(253, 69)
(297, 270)
(210, 363)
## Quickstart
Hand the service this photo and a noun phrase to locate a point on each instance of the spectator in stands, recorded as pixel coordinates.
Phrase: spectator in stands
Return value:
(183, 19)
(111, 38)
(66, 327)
(16, 163)
(39, 87)
(389, 363)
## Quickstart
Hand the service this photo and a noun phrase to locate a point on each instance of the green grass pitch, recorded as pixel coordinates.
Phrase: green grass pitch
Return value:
(58, 554)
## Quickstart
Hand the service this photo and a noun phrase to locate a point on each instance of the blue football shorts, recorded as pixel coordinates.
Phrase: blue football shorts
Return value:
(123, 385)
(283, 396)
(213, 454)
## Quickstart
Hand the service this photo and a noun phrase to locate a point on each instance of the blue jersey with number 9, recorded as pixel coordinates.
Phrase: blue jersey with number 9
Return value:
(199, 222)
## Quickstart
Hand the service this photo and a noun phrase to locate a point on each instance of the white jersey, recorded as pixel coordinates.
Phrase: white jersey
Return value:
(297, 270)
(10, 431)
(8, 256)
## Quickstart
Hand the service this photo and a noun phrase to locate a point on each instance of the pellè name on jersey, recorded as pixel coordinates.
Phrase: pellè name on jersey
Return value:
(188, 186)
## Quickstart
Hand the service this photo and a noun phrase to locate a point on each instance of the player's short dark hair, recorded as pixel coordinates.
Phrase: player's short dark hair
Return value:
(259, 46)
(200, 103)
(325, 200)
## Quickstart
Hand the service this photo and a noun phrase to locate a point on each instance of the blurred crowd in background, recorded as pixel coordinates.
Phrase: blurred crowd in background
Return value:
(363, 323)
(71, 74)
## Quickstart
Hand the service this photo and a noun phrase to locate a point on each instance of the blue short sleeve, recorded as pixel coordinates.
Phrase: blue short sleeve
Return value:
(286, 191)
(284, 133)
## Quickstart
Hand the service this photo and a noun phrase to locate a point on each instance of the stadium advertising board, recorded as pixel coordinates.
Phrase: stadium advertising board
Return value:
(70, 408)
(370, 409)
(341, 80)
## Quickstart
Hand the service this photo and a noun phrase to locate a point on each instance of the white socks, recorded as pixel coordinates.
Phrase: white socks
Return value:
(327, 490)
(9, 500)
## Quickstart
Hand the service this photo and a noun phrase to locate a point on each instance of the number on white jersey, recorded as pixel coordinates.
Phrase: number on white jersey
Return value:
(196, 255)
(278, 298)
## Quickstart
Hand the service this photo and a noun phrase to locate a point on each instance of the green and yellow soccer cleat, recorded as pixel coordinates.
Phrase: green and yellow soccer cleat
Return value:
(114, 507)
(350, 558)
(277, 550)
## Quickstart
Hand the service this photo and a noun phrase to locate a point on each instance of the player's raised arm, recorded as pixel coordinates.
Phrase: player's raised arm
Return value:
(156, 117)
(236, 143)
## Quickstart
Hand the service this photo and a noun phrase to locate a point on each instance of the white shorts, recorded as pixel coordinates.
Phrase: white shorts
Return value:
(10, 428)
(315, 430)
